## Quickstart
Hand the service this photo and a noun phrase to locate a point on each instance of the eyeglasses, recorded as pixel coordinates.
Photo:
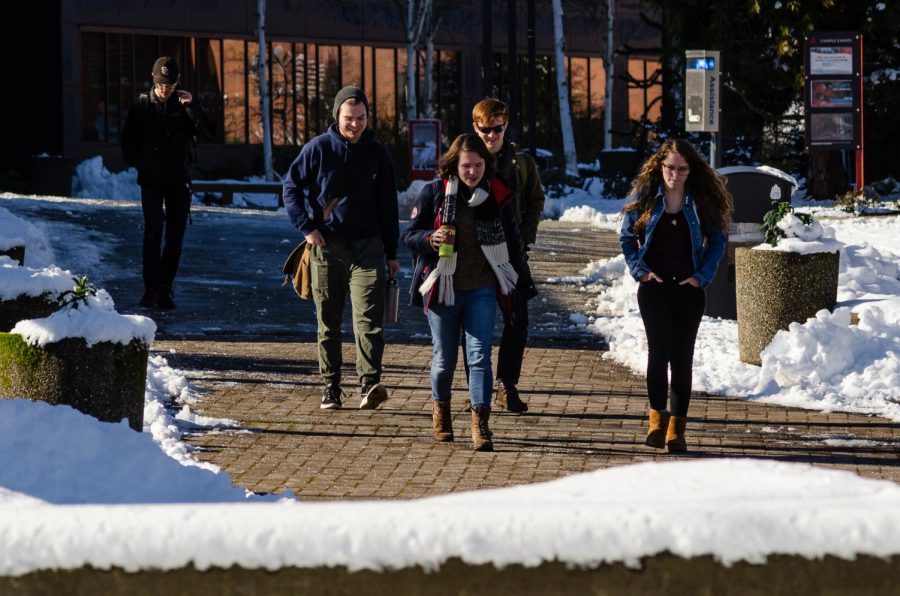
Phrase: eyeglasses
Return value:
(491, 129)
(683, 170)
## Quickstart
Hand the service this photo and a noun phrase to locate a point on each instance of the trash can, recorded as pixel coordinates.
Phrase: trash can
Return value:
(753, 189)
(52, 175)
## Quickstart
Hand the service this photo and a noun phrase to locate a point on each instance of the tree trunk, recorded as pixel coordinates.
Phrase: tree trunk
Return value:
(562, 86)
(415, 19)
(827, 174)
(261, 63)
(427, 84)
(609, 60)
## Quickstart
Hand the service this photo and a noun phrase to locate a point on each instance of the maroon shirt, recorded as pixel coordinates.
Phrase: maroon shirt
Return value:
(669, 253)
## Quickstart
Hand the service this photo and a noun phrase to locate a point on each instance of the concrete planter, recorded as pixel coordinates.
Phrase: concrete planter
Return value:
(26, 307)
(777, 288)
(105, 380)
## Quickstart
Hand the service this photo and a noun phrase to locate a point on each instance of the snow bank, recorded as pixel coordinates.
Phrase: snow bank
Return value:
(614, 515)
(96, 321)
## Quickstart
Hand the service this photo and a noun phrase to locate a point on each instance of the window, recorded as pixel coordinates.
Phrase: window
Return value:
(93, 87)
(329, 63)
(254, 109)
(235, 92)
(282, 67)
(208, 90)
(385, 95)
(644, 89)
(579, 93)
(221, 74)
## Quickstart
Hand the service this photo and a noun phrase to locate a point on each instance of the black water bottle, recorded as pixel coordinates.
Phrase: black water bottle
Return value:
(391, 300)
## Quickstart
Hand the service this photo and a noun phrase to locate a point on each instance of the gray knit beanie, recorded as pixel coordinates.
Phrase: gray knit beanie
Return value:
(349, 92)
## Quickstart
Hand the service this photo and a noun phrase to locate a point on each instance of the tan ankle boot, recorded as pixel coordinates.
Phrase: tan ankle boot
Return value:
(441, 425)
(656, 435)
(481, 432)
(675, 441)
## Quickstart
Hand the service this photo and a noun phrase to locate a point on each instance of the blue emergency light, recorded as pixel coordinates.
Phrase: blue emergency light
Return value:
(701, 64)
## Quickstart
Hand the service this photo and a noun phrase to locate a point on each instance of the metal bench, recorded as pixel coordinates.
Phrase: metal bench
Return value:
(227, 189)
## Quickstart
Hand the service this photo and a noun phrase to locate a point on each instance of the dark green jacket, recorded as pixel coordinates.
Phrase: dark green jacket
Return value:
(518, 171)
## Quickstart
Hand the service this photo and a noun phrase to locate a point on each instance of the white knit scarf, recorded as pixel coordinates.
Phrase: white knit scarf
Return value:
(491, 239)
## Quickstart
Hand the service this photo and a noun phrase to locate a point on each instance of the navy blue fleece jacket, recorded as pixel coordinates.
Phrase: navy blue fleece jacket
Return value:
(360, 175)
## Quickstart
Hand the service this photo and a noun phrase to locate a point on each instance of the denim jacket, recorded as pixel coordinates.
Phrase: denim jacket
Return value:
(706, 249)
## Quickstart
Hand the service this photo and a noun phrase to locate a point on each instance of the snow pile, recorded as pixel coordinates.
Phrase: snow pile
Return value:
(18, 281)
(88, 461)
(165, 386)
(93, 180)
(585, 204)
(15, 231)
(838, 365)
(95, 320)
(823, 364)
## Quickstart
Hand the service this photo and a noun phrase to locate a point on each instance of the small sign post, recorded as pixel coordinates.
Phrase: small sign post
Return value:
(424, 148)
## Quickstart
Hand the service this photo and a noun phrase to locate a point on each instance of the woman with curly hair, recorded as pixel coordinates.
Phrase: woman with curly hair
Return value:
(673, 236)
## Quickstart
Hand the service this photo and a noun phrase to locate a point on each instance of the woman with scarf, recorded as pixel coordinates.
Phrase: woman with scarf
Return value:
(673, 237)
(469, 257)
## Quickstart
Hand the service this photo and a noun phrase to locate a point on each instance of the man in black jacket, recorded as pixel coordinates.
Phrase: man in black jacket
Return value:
(157, 139)
(490, 118)
(341, 194)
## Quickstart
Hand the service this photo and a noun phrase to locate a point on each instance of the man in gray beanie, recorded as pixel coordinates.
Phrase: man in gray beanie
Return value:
(341, 194)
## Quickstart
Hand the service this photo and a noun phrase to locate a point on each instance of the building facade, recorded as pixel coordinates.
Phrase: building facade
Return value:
(316, 47)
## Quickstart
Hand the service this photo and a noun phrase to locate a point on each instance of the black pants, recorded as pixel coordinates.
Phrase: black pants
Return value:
(165, 208)
(512, 343)
(671, 315)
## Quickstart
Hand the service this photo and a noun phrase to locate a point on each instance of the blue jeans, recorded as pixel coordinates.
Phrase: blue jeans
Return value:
(473, 312)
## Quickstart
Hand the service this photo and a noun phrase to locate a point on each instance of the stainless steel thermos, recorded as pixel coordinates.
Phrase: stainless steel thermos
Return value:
(391, 300)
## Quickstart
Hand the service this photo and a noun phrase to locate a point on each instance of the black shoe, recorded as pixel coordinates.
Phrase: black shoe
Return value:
(331, 398)
(371, 396)
(508, 397)
(148, 300)
(164, 299)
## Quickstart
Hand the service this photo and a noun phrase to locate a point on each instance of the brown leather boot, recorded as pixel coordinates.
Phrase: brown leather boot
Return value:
(441, 425)
(481, 432)
(508, 397)
(656, 435)
(675, 441)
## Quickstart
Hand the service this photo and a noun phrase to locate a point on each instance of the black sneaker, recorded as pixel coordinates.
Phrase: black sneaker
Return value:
(331, 398)
(371, 396)
(148, 300)
(164, 299)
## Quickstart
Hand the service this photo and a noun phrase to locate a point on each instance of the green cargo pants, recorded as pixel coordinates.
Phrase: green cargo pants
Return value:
(357, 265)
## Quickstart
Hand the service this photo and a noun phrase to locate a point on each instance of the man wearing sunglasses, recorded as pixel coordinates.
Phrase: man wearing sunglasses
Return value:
(157, 139)
(518, 171)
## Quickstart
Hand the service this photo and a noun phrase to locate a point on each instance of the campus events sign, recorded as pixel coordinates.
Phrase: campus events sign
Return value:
(833, 91)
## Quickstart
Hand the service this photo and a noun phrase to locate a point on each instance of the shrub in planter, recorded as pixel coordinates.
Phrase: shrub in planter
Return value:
(27, 293)
(85, 355)
(789, 278)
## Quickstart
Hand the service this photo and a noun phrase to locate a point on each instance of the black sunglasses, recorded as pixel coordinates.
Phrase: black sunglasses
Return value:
(489, 129)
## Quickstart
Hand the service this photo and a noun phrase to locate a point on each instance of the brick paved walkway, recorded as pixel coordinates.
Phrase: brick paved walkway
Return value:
(586, 412)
